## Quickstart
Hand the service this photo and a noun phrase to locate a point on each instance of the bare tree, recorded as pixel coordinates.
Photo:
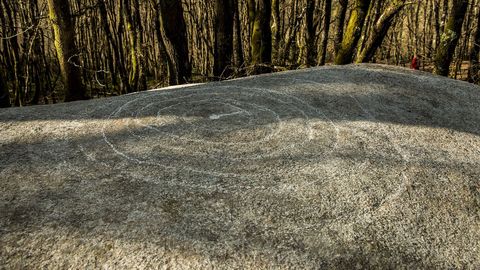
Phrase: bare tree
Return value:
(112, 47)
(13, 57)
(380, 30)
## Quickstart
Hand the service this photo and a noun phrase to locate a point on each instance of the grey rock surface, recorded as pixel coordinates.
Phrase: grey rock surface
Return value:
(337, 167)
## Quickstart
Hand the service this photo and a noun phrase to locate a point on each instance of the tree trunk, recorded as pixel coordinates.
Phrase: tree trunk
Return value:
(368, 24)
(341, 14)
(163, 55)
(261, 39)
(223, 48)
(112, 48)
(141, 55)
(326, 30)
(353, 33)
(380, 31)
(64, 32)
(4, 95)
(16, 61)
(237, 40)
(450, 37)
(119, 51)
(311, 48)
(290, 34)
(174, 34)
(277, 27)
(474, 70)
(133, 41)
(436, 11)
(444, 14)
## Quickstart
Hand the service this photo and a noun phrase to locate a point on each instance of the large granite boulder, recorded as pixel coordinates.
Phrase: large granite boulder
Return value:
(336, 167)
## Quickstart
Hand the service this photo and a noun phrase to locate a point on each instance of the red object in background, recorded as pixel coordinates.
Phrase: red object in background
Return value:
(414, 64)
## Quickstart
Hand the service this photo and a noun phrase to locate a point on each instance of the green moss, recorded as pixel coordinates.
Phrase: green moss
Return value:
(448, 37)
(256, 42)
(352, 33)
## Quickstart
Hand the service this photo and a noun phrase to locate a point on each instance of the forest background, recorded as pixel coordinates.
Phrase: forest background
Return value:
(65, 50)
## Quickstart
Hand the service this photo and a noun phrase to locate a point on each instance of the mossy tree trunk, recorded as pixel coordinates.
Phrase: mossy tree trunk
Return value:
(260, 12)
(353, 32)
(128, 16)
(64, 32)
(223, 43)
(379, 31)
(341, 14)
(131, 14)
(174, 33)
(450, 37)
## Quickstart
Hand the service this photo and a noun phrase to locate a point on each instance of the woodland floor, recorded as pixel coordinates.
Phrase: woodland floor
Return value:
(341, 167)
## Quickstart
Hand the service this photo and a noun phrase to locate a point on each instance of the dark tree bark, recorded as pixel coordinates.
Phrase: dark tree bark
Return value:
(353, 33)
(450, 37)
(119, 51)
(38, 72)
(14, 55)
(436, 11)
(474, 70)
(260, 12)
(4, 95)
(277, 27)
(237, 40)
(379, 32)
(164, 59)
(113, 52)
(326, 30)
(294, 25)
(223, 48)
(174, 34)
(63, 27)
(311, 48)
